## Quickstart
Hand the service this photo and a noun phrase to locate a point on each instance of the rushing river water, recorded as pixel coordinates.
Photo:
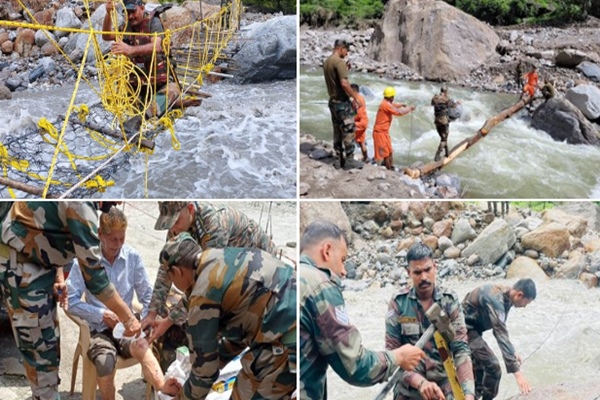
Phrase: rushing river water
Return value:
(513, 161)
(241, 143)
(555, 335)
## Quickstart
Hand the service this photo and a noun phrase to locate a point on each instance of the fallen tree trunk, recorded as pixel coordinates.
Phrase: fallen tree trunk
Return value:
(23, 187)
(467, 143)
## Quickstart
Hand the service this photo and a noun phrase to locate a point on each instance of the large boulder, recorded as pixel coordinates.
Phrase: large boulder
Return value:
(525, 267)
(569, 58)
(268, 51)
(437, 40)
(78, 42)
(574, 266)
(576, 225)
(492, 242)
(551, 239)
(591, 70)
(66, 18)
(564, 122)
(587, 99)
(178, 17)
(462, 231)
(586, 209)
(324, 210)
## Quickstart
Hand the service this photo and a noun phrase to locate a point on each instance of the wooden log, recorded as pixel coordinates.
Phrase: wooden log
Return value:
(467, 143)
(23, 187)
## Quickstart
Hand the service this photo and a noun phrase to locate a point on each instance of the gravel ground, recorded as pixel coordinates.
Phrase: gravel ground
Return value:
(142, 236)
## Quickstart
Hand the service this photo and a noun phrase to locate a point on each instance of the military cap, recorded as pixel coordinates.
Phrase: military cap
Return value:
(177, 248)
(132, 4)
(169, 212)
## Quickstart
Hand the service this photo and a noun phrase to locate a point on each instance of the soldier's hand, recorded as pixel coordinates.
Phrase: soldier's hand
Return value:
(431, 391)
(148, 320)
(121, 48)
(133, 328)
(110, 319)
(408, 356)
(159, 328)
(524, 386)
(60, 289)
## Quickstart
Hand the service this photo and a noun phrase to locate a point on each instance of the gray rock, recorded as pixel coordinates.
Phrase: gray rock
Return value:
(506, 259)
(462, 231)
(66, 18)
(444, 243)
(564, 122)
(531, 254)
(304, 188)
(320, 153)
(42, 37)
(495, 240)
(48, 64)
(77, 42)
(586, 209)
(350, 270)
(473, 259)
(569, 58)
(370, 226)
(452, 252)
(12, 84)
(587, 99)
(384, 258)
(520, 231)
(594, 265)
(450, 180)
(36, 73)
(269, 52)
(5, 93)
(591, 70)
(428, 222)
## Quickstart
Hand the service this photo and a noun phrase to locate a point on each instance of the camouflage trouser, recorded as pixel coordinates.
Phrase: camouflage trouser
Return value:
(342, 117)
(31, 306)
(442, 129)
(486, 368)
(268, 372)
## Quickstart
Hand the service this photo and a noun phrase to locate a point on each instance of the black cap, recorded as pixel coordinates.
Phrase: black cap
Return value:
(132, 4)
(341, 43)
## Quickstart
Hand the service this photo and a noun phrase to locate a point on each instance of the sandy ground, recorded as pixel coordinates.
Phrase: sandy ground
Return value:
(142, 236)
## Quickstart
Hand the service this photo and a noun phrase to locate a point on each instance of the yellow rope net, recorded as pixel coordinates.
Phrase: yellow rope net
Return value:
(72, 155)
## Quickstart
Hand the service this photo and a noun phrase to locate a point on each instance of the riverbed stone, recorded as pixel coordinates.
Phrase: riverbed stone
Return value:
(332, 211)
(442, 228)
(569, 58)
(591, 70)
(66, 18)
(462, 231)
(589, 280)
(525, 267)
(492, 242)
(587, 99)
(444, 243)
(452, 252)
(576, 225)
(431, 241)
(552, 239)
(574, 266)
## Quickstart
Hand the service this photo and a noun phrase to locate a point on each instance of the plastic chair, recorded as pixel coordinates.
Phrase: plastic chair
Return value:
(89, 370)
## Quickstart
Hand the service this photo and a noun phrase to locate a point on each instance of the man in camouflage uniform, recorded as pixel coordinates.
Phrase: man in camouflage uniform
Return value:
(340, 105)
(486, 308)
(37, 239)
(406, 322)
(212, 227)
(326, 335)
(441, 103)
(236, 298)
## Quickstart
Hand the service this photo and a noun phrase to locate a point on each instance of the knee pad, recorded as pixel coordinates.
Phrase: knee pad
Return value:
(105, 364)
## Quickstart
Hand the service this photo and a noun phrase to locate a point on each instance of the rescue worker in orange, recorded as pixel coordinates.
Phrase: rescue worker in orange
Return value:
(381, 129)
(361, 122)
(159, 87)
(532, 82)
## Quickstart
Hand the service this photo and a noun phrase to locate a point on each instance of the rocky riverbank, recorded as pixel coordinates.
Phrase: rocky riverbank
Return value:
(30, 60)
(553, 50)
(468, 241)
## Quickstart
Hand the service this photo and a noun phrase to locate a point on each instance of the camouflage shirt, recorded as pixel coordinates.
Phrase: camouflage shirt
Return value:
(487, 307)
(406, 322)
(53, 233)
(213, 227)
(244, 296)
(441, 103)
(328, 338)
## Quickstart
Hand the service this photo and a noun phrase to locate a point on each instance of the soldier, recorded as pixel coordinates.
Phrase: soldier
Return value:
(38, 238)
(361, 120)
(236, 298)
(519, 75)
(441, 103)
(381, 130)
(212, 227)
(340, 105)
(486, 308)
(548, 90)
(326, 335)
(406, 322)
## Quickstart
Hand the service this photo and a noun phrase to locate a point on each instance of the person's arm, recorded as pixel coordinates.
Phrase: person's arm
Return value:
(80, 308)
(497, 315)
(143, 289)
(203, 329)
(460, 348)
(341, 343)
(107, 23)
(145, 49)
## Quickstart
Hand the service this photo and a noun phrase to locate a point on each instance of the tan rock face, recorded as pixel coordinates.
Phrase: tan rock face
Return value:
(438, 209)
(48, 49)
(432, 37)
(552, 239)
(178, 17)
(576, 225)
(442, 228)
(332, 211)
(525, 267)
(431, 242)
(24, 42)
(3, 37)
(45, 17)
(7, 47)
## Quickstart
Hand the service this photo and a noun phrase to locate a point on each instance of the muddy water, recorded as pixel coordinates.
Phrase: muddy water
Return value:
(514, 161)
(556, 335)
